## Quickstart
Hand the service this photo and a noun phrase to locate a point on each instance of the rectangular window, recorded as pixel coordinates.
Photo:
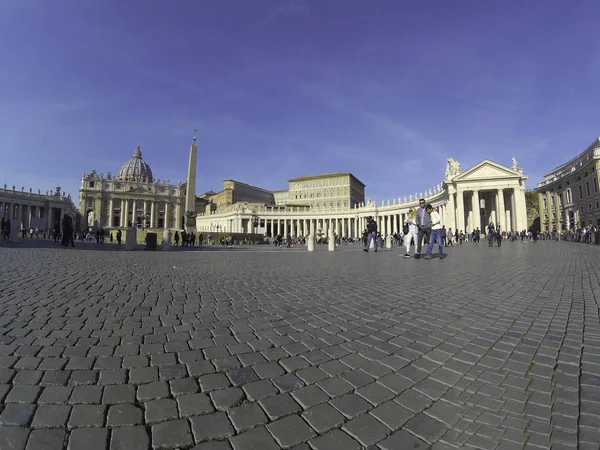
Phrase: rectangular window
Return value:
(595, 185)
(568, 195)
(545, 205)
(587, 185)
(590, 207)
(552, 200)
(582, 211)
(92, 184)
(580, 192)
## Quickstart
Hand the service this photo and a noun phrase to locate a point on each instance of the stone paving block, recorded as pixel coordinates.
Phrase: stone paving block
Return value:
(118, 376)
(279, 406)
(257, 438)
(45, 440)
(375, 393)
(55, 394)
(51, 416)
(403, 439)
(351, 405)
(246, 416)
(366, 429)
(114, 394)
(194, 404)
(287, 383)
(260, 389)
(396, 383)
(13, 437)
(87, 416)
(392, 415)
(183, 386)
(357, 378)
(88, 439)
(290, 431)
(335, 386)
(425, 427)
(154, 390)
(17, 414)
(413, 400)
(309, 396)
(172, 434)
(241, 376)
(211, 426)
(124, 415)
(23, 394)
(323, 418)
(213, 382)
(160, 410)
(129, 438)
(226, 399)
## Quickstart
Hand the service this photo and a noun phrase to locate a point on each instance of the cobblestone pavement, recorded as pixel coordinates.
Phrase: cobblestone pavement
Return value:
(262, 349)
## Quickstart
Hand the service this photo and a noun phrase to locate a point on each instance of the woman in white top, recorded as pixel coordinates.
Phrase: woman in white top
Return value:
(413, 230)
(436, 232)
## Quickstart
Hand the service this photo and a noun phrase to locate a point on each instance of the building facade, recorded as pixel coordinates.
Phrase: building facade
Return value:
(133, 196)
(487, 192)
(568, 196)
(332, 190)
(28, 209)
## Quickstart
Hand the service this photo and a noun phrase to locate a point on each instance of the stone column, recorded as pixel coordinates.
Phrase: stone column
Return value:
(152, 214)
(285, 228)
(501, 217)
(144, 219)
(460, 211)
(177, 221)
(521, 209)
(166, 221)
(125, 209)
(450, 213)
(476, 210)
(111, 212)
(558, 212)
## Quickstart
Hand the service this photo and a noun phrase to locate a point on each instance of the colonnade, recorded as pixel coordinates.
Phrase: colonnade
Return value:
(471, 209)
(460, 209)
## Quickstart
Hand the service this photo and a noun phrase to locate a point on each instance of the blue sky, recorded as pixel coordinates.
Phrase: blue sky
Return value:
(386, 89)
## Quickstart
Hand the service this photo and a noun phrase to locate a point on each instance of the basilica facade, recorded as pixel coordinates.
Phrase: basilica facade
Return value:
(131, 197)
(488, 192)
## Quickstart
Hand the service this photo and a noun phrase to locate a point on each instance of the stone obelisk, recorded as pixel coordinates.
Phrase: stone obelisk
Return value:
(190, 195)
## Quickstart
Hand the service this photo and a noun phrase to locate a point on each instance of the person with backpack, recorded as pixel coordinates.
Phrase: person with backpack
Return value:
(371, 234)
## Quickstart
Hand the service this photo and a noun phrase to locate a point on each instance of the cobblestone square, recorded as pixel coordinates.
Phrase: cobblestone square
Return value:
(262, 348)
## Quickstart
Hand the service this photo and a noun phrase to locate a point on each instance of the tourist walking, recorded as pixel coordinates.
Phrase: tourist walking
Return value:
(491, 232)
(436, 232)
(371, 234)
(424, 224)
(411, 231)
(450, 237)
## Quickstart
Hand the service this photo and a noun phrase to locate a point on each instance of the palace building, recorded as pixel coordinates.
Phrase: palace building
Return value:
(568, 196)
(486, 192)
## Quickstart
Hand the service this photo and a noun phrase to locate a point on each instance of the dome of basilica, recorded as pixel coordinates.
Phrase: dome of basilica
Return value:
(136, 169)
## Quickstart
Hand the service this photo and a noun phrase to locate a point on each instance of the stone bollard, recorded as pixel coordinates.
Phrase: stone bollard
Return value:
(388, 241)
(331, 242)
(310, 243)
(166, 240)
(130, 238)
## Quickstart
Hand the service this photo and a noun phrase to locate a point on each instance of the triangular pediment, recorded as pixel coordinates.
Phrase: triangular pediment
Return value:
(488, 170)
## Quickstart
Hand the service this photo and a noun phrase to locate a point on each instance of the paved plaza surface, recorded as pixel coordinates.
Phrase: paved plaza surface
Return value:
(265, 348)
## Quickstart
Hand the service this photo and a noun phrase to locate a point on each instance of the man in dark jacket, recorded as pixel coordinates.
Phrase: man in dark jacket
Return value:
(424, 224)
(371, 234)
